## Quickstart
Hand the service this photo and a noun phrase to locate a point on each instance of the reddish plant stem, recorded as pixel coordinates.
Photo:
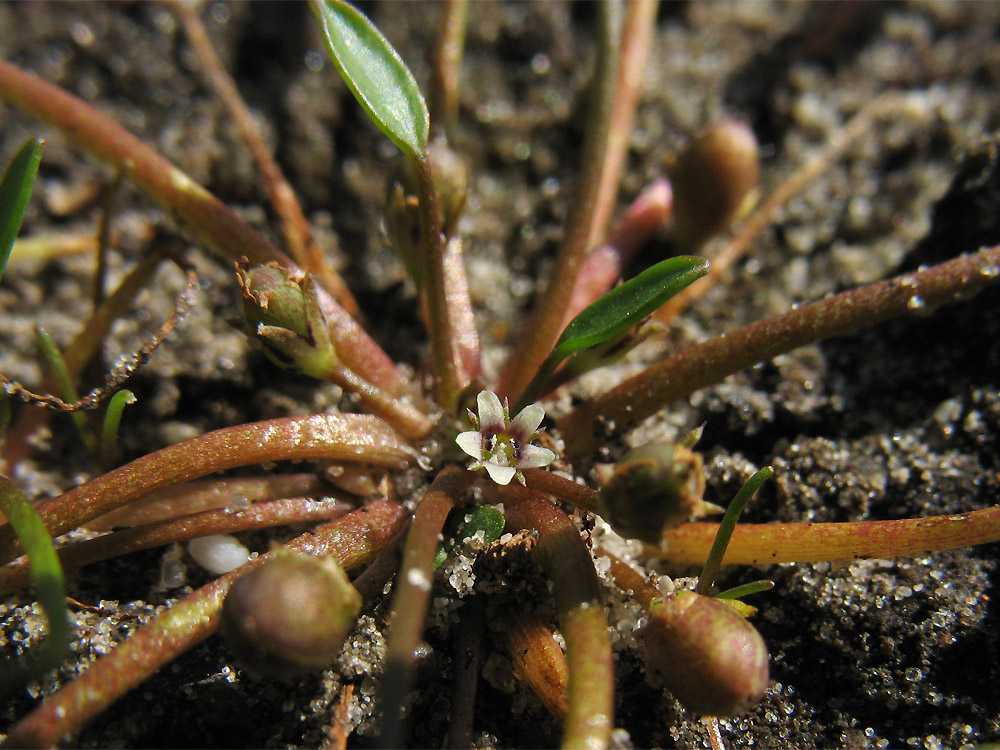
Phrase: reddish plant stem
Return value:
(296, 230)
(467, 659)
(564, 489)
(351, 541)
(215, 225)
(544, 326)
(604, 265)
(636, 39)
(16, 575)
(338, 437)
(413, 590)
(582, 617)
(209, 494)
(448, 368)
(766, 544)
(708, 363)
(631, 581)
(446, 66)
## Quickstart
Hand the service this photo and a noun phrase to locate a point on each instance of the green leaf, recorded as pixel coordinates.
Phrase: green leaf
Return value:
(616, 312)
(483, 518)
(629, 303)
(112, 419)
(15, 191)
(377, 76)
(47, 574)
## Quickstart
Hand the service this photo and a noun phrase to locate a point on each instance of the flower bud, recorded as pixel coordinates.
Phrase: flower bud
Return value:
(708, 656)
(282, 313)
(712, 180)
(289, 615)
(654, 488)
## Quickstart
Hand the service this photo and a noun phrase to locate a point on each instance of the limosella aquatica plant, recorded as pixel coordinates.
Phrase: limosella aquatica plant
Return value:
(539, 605)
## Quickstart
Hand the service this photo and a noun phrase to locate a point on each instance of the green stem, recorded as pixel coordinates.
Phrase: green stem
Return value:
(708, 363)
(46, 572)
(446, 66)
(726, 528)
(336, 437)
(447, 361)
(582, 617)
(67, 389)
(543, 330)
(413, 590)
(112, 420)
(351, 541)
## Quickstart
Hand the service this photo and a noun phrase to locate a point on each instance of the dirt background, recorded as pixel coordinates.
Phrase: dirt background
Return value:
(898, 421)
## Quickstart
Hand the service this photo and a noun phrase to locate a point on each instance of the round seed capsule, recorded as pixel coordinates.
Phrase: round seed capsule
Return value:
(708, 656)
(290, 615)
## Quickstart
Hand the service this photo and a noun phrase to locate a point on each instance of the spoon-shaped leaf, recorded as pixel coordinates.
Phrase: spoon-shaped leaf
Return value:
(46, 572)
(376, 75)
(616, 312)
(15, 191)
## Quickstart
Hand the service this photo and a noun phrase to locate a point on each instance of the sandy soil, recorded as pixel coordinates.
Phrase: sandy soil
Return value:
(897, 421)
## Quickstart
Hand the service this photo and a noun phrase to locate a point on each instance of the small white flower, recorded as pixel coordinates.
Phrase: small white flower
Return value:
(501, 445)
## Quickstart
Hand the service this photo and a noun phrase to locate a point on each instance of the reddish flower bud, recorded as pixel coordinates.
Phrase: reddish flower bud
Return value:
(708, 656)
(711, 179)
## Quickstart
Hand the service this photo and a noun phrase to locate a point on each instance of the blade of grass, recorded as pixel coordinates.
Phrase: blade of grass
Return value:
(46, 573)
(57, 367)
(376, 75)
(112, 420)
(15, 192)
(613, 314)
(726, 528)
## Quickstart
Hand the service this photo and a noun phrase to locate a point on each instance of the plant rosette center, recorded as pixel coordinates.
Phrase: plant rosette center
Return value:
(503, 446)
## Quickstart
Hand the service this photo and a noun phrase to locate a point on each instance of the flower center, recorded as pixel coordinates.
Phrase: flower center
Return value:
(501, 449)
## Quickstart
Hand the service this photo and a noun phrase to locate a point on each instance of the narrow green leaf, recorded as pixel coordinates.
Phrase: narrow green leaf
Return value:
(67, 389)
(617, 311)
(46, 572)
(745, 589)
(112, 419)
(725, 532)
(376, 75)
(628, 303)
(15, 191)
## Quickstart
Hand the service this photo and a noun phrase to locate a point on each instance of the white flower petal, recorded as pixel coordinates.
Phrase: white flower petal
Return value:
(524, 424)
(472, 443)
(491, 417)
(500, 474)
(533, 456)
